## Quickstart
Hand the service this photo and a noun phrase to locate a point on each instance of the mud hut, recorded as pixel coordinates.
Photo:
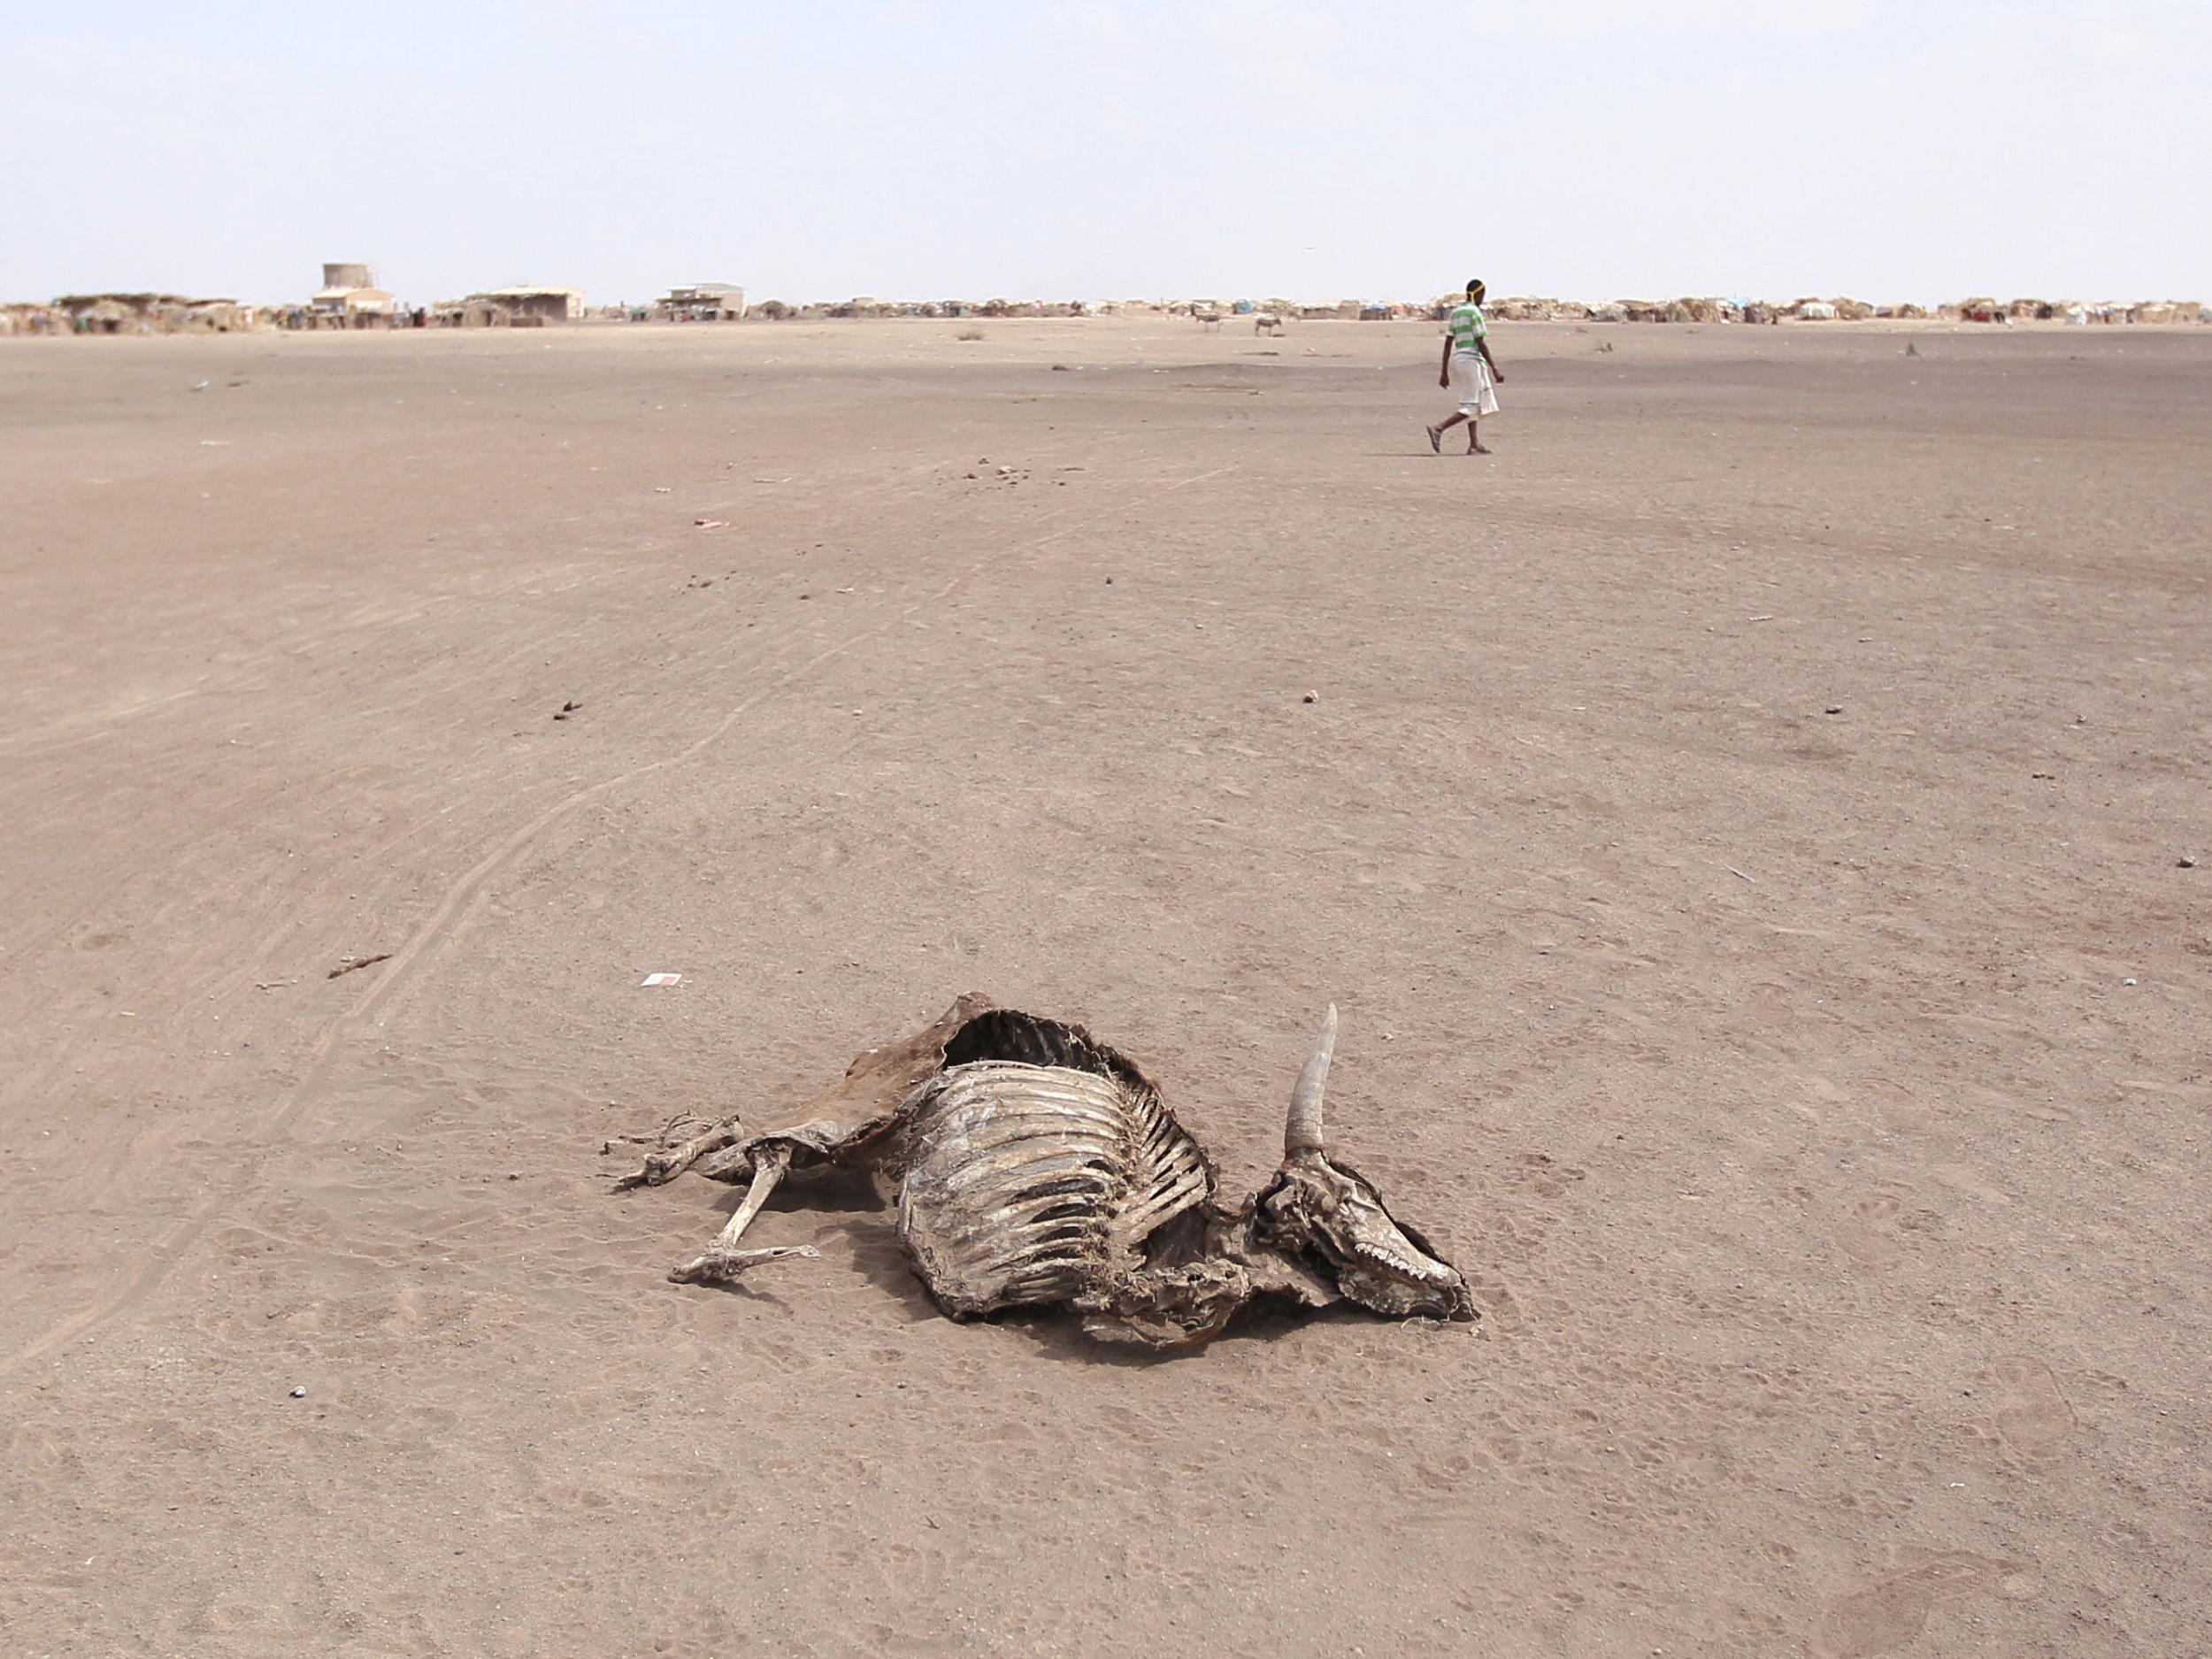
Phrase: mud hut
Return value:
(528, 306)
(703, 302)
(472, 312)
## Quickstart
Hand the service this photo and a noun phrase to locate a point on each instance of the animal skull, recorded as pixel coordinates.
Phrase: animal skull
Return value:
(1334, 1216)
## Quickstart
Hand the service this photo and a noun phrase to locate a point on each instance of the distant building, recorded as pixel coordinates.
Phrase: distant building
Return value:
(22, 317)
(143, 314)
(527, 305)
(348, 295)
(703, 302)
(352, 303)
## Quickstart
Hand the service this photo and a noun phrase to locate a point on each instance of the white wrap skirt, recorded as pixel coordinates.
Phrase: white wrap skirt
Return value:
(1471, 379)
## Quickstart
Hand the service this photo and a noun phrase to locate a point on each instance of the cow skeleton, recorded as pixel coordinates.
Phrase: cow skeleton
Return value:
(1036, 1166)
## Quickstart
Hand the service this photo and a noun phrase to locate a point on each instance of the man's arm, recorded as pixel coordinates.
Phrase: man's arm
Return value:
(1483, 346)
(1444, 366)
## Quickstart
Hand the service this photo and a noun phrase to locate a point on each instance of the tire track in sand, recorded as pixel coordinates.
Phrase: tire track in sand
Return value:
(160, 1254)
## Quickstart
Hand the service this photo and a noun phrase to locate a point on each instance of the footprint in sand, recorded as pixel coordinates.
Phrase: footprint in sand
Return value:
(2031, 1414)
(1903, 1112)
(1884, 1616)
(1868, 1234)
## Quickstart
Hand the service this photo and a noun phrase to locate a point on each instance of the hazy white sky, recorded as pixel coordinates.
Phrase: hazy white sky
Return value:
(1087, 147)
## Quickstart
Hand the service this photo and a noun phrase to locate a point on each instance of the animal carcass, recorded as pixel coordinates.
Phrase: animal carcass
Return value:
(1036, 1166)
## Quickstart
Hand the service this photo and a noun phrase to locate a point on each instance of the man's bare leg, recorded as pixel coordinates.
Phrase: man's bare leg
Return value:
(1475, 445)
(1438, 431)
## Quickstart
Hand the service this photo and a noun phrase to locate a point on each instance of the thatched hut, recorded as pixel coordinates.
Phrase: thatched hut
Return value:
(1851, 310)
(26, 316)
(111, 313)
(211, 317)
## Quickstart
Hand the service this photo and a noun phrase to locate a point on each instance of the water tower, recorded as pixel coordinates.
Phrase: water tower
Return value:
(347, 276)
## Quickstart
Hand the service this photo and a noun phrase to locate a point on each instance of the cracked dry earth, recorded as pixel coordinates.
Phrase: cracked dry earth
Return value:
(1740, 824)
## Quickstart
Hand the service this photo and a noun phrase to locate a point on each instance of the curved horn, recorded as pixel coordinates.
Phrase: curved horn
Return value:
(1301, 1130)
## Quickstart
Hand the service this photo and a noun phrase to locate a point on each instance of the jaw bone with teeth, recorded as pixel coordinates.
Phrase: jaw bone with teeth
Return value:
(1034, 1166)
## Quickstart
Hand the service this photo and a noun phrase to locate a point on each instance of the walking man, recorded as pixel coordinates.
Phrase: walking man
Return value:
(1469, 366)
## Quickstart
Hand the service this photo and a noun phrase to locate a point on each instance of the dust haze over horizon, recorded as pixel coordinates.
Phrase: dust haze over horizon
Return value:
(1094, 150)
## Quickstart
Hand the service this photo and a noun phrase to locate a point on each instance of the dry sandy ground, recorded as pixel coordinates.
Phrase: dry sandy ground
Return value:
(1739, 823)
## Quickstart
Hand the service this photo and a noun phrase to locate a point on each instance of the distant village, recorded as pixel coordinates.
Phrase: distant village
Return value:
(350, 298)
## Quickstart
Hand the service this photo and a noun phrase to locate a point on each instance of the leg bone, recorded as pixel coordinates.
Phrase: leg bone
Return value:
(722, 1261)
(667, 1162)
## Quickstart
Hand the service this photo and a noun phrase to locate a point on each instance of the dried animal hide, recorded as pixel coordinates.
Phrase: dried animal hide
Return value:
(1036, 1166)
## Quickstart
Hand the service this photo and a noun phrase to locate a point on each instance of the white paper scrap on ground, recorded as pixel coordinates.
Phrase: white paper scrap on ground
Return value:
(660, 979)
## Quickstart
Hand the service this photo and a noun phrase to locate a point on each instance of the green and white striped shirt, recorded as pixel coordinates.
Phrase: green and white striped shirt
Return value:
(1466, 327)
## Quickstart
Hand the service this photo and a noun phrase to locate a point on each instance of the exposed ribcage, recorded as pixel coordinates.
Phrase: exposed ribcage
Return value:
(1022, 1181)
